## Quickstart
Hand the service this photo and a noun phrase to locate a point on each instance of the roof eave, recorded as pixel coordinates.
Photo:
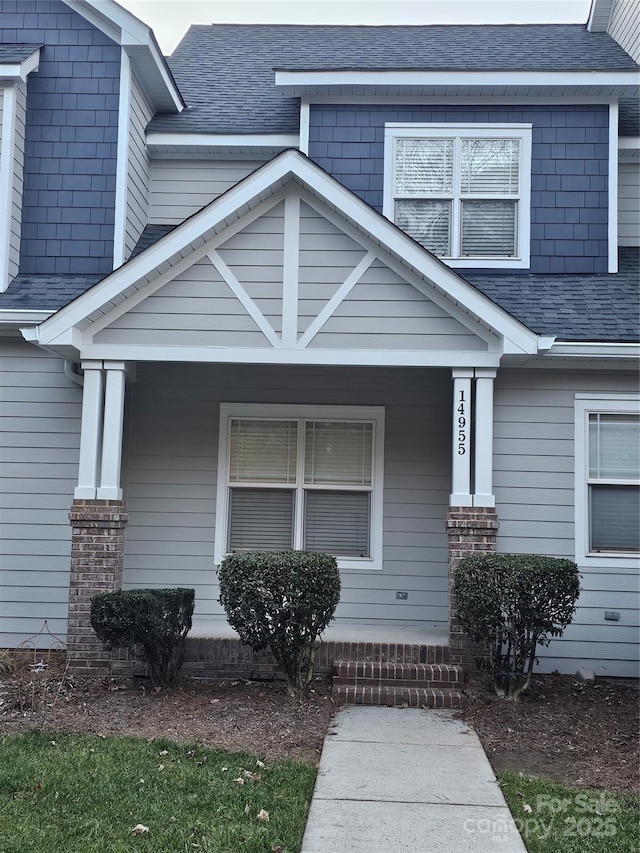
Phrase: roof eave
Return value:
(16, 72)
(429, 83)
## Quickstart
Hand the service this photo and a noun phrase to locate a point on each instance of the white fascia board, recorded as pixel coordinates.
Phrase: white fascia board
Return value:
(128, 31)
(257, 187)
(19, 317)
(596, 350)
(221, 141)
(292, 356)
(15, 71)
(323, 82)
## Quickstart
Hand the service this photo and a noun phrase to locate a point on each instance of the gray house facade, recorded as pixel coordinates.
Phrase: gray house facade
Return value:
(303, 293)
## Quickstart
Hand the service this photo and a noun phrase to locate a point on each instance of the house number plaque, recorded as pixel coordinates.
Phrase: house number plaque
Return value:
(462, 424)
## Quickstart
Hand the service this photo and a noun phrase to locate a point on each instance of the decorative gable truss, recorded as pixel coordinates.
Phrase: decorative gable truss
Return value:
(287, 267)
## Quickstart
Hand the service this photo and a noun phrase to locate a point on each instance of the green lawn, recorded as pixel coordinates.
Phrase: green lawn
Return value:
(80, 794)
(554, 818)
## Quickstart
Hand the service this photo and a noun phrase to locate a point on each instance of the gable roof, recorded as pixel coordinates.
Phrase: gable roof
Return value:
(233, 91)
(160, 263)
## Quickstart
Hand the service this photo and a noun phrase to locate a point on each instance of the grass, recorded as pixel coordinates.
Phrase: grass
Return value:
(79, 794)
(553, 817)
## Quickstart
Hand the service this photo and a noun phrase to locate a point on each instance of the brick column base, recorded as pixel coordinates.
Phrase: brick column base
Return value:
(97, 557)
(470, 530)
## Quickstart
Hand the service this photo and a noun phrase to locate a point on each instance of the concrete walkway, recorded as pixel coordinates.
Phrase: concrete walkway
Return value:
(395, 780)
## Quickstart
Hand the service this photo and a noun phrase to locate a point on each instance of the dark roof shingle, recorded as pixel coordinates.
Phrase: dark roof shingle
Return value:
(226, 71)
(602, 307)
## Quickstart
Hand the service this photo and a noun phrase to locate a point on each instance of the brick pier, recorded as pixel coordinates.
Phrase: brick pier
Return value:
(470, 530)
(97, 557)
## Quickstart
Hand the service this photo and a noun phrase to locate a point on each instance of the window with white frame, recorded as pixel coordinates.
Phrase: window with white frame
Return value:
(301, 478)
(462, 191)
(607, 477)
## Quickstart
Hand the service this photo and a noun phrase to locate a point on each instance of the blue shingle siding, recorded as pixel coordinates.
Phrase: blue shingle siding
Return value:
(569, 168)
(71, 139)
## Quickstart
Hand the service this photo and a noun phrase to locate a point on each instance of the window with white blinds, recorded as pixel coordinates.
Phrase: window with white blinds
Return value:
(302, 482)
(462, 191)
(614, 482)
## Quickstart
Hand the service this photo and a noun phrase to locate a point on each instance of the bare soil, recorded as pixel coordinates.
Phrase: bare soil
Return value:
(562, 729)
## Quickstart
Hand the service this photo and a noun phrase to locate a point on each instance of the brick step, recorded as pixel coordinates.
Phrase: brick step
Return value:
(412, 697)
(396, 682)
(411, 674)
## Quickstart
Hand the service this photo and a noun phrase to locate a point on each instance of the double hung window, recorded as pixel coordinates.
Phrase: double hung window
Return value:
(607, 435)
(462, 191)
(614, 482)
(295, 478)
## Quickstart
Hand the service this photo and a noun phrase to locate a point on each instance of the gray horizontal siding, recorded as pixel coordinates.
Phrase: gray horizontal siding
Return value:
(172, 476)
(624, 26)
(138, 167)
(629, 203)
(534, 469)
(39, 440)
(179, 188)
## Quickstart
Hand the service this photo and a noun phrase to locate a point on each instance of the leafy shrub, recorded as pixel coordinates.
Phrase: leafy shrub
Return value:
(156, 621)
(281, 600)
(511, 603)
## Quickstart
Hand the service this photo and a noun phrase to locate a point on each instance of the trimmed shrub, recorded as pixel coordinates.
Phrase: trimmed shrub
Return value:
(152, 621)
(511, 603)
(281, 600)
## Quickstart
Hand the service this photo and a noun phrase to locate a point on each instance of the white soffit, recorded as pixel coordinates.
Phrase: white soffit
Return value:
(162, 144)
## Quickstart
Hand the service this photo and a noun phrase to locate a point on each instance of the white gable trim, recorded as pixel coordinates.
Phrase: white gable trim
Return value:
(339, 296)
(249, 194)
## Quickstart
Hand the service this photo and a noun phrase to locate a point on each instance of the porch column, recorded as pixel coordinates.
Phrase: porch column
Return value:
(483, 486)
(112, 429)
(98, 515)
(461, 457)
(90, 430)
(472, 523)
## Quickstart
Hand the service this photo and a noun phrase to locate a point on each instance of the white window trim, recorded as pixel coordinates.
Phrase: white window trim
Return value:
(375, 414)
(394, 130)
(586, 405)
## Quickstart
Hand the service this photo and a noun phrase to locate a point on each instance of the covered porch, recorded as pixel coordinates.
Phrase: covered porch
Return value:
(288, 318)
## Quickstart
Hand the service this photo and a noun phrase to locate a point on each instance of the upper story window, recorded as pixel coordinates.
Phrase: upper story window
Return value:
(462, 191)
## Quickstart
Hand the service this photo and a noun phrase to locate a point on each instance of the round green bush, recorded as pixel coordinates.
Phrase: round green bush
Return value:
(281, 600)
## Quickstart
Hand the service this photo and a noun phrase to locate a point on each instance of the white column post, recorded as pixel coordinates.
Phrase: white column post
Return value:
(109, 488)
(461, 425)
(90, 431)
(483, 489)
